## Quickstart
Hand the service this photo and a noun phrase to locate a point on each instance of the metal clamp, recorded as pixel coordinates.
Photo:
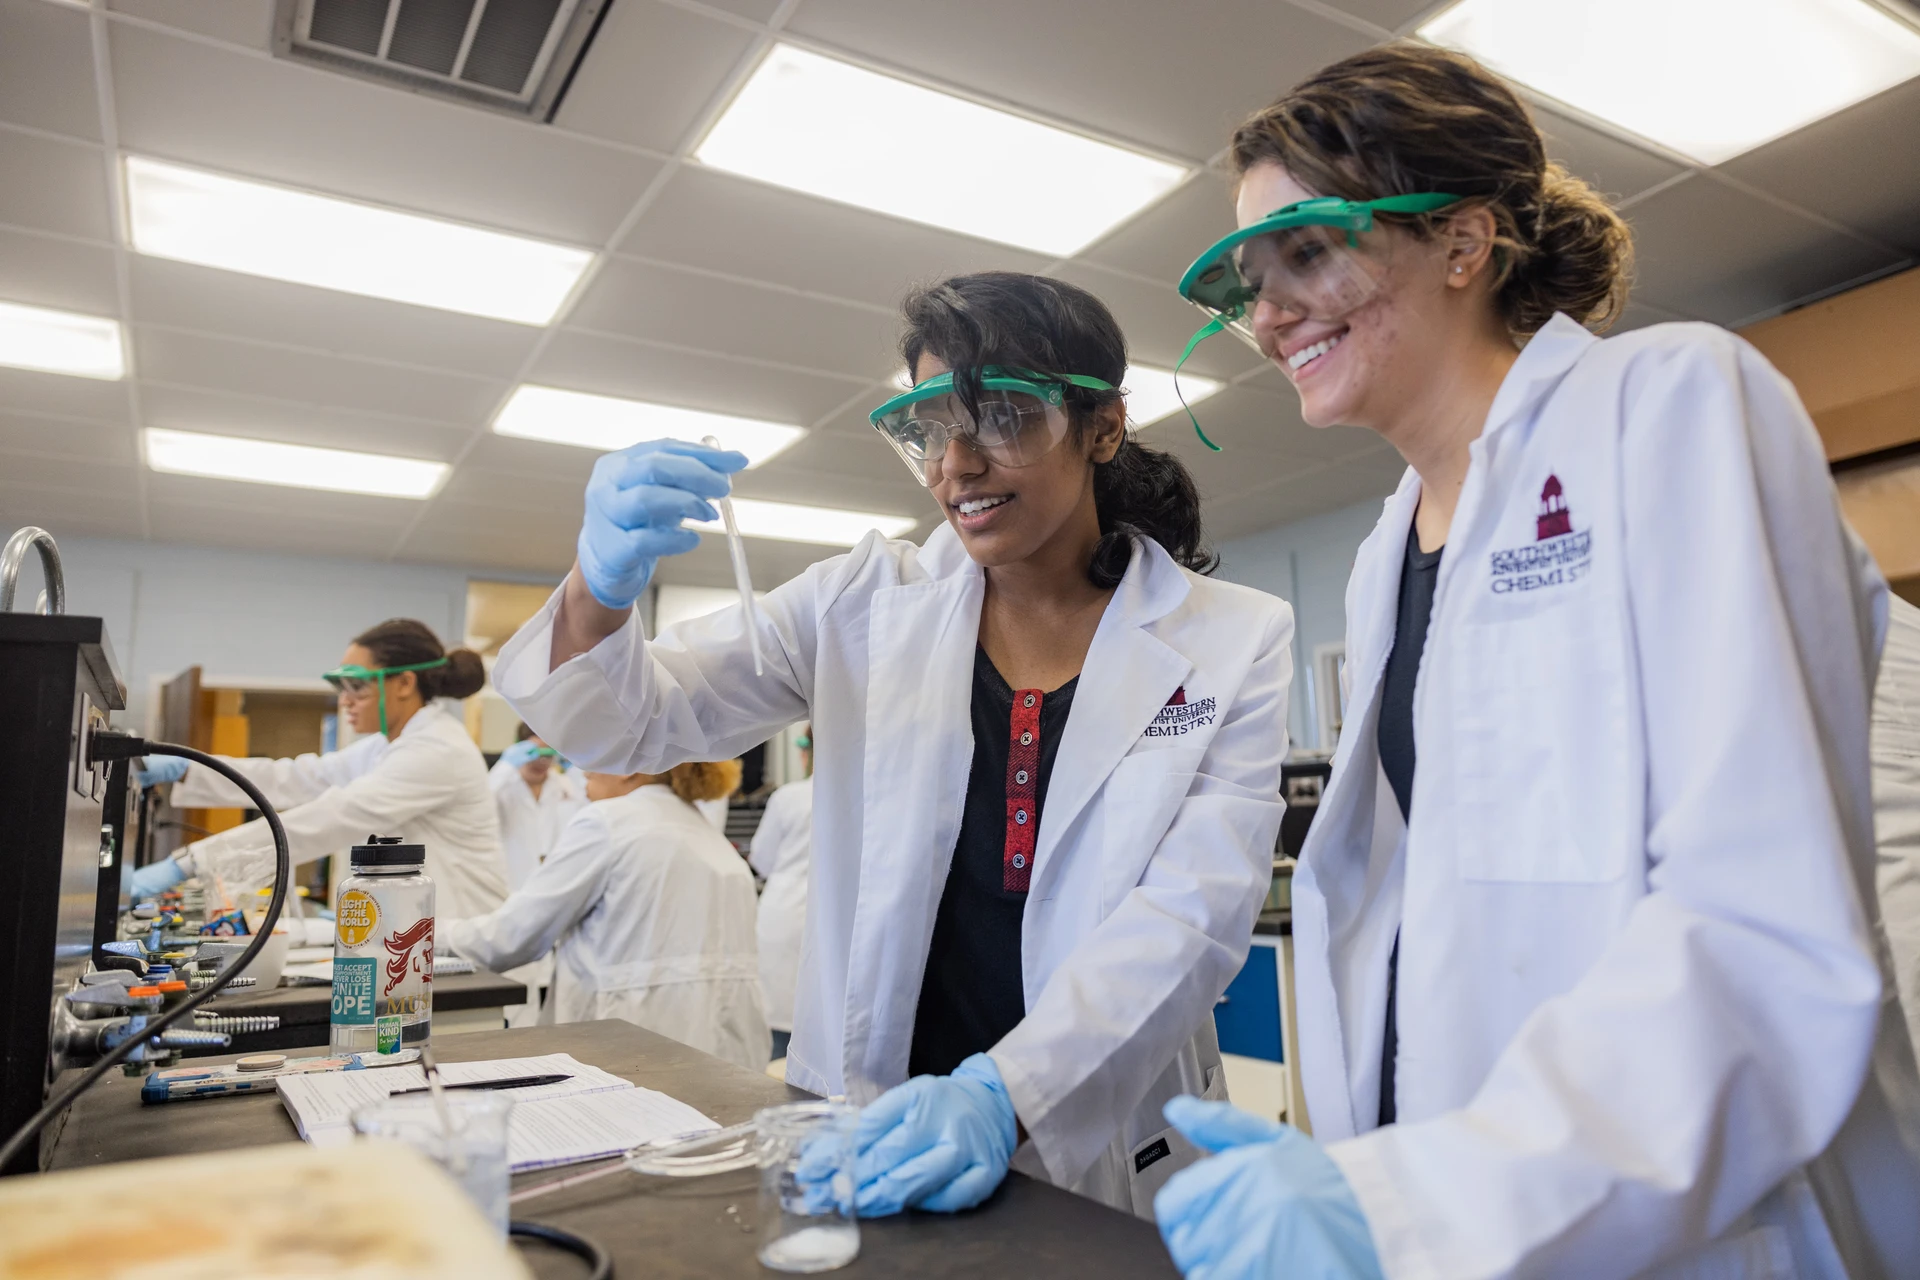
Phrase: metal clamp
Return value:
(16, 552)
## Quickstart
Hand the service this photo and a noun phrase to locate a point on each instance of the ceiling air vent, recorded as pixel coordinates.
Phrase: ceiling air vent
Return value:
(511, 55)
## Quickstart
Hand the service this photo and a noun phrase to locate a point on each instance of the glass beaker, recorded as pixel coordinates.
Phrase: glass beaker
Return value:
(807, 1224)
(474, 1153)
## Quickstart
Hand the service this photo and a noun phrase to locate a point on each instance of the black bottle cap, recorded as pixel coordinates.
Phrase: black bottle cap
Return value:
(387, 851)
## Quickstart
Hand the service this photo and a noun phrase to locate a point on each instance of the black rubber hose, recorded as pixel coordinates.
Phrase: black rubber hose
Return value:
(600, 1264)
(111, 745)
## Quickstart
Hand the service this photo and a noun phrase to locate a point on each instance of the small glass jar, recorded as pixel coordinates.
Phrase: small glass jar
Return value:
(383, 950)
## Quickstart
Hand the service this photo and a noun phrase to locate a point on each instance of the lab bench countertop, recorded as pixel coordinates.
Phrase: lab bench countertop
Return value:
(665, 1227)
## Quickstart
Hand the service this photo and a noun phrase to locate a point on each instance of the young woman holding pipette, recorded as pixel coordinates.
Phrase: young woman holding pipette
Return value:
(1048, 786)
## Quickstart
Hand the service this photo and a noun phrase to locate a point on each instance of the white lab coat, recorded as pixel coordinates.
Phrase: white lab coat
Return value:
(1154, 853)
(782, 848)
(1638, 991)
(652, 913)
(429, 786)
(529, 824)
(1896, 799)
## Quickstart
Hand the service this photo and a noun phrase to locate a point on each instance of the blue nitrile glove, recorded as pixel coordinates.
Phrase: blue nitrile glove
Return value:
(936, 1142)
(520, 753)
(635, 503)
(154, 879)
(1270, 1203)
(151, 771)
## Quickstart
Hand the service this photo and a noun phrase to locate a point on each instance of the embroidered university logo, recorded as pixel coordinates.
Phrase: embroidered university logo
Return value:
(1558, 554)
(1180, 716)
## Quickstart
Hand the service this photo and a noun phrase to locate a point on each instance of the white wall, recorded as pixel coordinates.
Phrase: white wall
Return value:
(1306, 563)
(240, 615)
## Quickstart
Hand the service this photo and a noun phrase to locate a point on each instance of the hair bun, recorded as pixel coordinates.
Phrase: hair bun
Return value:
(1581, 261)
(704, 779)
(462, 677)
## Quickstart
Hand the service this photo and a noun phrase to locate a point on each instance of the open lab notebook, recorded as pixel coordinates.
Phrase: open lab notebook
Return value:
(592, 1115)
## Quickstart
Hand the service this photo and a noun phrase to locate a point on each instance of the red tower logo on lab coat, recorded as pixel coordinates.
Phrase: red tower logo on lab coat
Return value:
(1555, 519)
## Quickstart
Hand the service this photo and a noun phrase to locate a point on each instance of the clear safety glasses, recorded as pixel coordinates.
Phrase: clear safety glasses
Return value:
(354, 680)
(1311, 260)
(1022, 416)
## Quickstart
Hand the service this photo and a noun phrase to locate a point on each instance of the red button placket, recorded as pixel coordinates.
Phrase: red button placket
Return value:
(1023, 771)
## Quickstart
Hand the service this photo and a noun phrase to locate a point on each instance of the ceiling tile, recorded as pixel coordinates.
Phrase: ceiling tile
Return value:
(532, 458)
(243, 22)
(92, 399)
(226, 302)
(70, 513)
(1389, 15)
(469, 535)
(1158, 322)
(1618, 169)
(53, 186)
(652, 70)
(1259, 423)
(307, 377)
(1298, 497)
(515, 491)
(615, 367)
(286, 122)
(74, 475)
(112, 444)
(203, 524)
(57, 273)
(1141, 69)
(1163, 242)
(1860, 167)
(226, 413)
(1711, 251)
(644, 301)
(760, 232)
(752, 10)
(46, 68)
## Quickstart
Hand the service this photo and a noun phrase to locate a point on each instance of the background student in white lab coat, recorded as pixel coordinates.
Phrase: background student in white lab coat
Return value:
(1048, 786)
(781, 848)
(651, 912)
(1592, 990)
(1896, 798)
(536, 798)
(414, 773)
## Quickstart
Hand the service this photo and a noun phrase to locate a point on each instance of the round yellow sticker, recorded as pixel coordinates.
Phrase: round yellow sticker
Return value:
(356, 916)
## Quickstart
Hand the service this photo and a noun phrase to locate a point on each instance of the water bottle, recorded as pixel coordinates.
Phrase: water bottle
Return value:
(383, 950)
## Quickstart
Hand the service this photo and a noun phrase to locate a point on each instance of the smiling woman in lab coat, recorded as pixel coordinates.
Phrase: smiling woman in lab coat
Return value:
(414, 773)
(651, 911)
(1046, 949)
(1594, 989)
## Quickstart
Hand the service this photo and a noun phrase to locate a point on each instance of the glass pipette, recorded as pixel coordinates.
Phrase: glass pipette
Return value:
(737, 550)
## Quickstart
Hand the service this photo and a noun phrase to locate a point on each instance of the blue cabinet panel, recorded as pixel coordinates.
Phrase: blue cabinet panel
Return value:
(1248, 1016)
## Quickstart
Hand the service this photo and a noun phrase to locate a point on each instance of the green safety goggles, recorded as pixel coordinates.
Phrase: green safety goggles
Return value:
(1306, 259)
(353, 680)
(1021, 416)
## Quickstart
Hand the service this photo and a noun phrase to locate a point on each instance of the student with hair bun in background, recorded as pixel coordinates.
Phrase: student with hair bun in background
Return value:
(651, 912)
(414, 773)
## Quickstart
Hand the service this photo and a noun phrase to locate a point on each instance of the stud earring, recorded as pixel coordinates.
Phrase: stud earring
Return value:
(1459, 271)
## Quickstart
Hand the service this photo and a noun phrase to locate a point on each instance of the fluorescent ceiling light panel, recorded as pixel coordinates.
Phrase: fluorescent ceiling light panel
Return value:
(844, 133)
(609, 422)
(60, 342)
(189, 453)
(786, 522)
(1708, 78)
(1151, 395)
(193, 216)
